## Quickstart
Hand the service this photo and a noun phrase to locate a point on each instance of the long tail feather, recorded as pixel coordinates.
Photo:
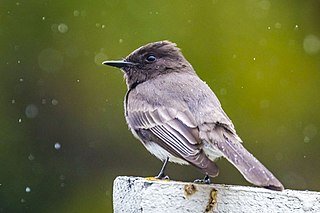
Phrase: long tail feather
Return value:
(252, 170)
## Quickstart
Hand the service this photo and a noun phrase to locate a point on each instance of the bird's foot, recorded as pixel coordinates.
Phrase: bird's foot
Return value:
(205, 180)
(162, 177)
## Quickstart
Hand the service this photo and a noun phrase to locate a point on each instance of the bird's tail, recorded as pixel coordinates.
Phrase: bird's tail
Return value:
(253, 171)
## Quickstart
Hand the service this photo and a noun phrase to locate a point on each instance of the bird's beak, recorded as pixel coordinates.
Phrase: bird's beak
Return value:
(118, 64)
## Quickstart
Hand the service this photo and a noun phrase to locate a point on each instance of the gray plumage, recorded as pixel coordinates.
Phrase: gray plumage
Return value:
(176, 115)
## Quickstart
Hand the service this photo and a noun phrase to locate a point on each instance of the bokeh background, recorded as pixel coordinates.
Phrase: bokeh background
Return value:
(63, 137)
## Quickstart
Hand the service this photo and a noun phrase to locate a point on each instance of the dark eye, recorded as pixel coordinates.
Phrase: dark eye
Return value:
(150, 58)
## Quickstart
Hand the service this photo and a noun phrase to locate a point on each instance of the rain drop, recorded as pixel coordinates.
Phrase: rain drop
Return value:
(31, 111)
(57, 146)
(28, 189)
(63, 28)
(99, 57)
(54, 102)
(76, 13)
(306, 139)
(31, 157)
(311, 44)
(277, 25)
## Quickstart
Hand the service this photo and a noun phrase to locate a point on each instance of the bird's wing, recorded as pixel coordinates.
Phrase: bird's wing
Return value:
(175, 131)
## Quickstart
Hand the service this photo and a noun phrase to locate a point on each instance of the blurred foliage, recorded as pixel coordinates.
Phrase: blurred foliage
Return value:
(63, 136)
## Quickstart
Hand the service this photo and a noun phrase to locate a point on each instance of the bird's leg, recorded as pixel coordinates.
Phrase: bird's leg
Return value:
(205, 180)
(161, 174)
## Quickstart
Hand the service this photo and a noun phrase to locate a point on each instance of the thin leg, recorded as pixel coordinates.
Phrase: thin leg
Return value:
(161, 174)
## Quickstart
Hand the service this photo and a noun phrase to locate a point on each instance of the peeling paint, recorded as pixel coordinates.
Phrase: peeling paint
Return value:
(212, 200)
(189, 189)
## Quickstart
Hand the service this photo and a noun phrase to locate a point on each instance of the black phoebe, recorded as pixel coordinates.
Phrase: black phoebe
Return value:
(178, 118)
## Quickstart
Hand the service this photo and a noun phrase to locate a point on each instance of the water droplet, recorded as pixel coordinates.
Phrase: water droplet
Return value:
(254, 58)
(311, 44)
(57, 146)
(277, 25)
(306, 139)
(103, 26)
(28, 189)
(296, 27)
(13, 101)
(19, 120)
(78, 80)
(99, 58)
(269, 28)
(54, 28)
(43, 18)
(18, 3)
(31, 111)
(21, 79)
(18, 61)
(120, 40)
(54, 102)
(63, 28)
(22, 200)
(31, 157)
(76, 13)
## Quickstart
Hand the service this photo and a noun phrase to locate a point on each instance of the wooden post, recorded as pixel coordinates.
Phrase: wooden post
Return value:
(136, 194)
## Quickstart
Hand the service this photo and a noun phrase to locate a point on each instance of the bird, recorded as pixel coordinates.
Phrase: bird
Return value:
(179, 119)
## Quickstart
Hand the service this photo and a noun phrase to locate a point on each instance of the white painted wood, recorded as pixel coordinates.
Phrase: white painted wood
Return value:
(147, 195)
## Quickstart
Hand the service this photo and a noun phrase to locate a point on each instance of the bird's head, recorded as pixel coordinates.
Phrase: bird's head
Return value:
(150, 61)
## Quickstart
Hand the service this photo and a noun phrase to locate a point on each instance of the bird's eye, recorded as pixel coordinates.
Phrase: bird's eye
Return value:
(150, 58)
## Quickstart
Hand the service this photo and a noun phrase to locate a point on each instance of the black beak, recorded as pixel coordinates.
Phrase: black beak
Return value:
(118, 64)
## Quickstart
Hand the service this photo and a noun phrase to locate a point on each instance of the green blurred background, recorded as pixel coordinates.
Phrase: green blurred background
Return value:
(63, 136)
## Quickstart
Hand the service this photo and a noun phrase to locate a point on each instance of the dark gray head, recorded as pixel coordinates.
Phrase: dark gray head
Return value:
(150, 61)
